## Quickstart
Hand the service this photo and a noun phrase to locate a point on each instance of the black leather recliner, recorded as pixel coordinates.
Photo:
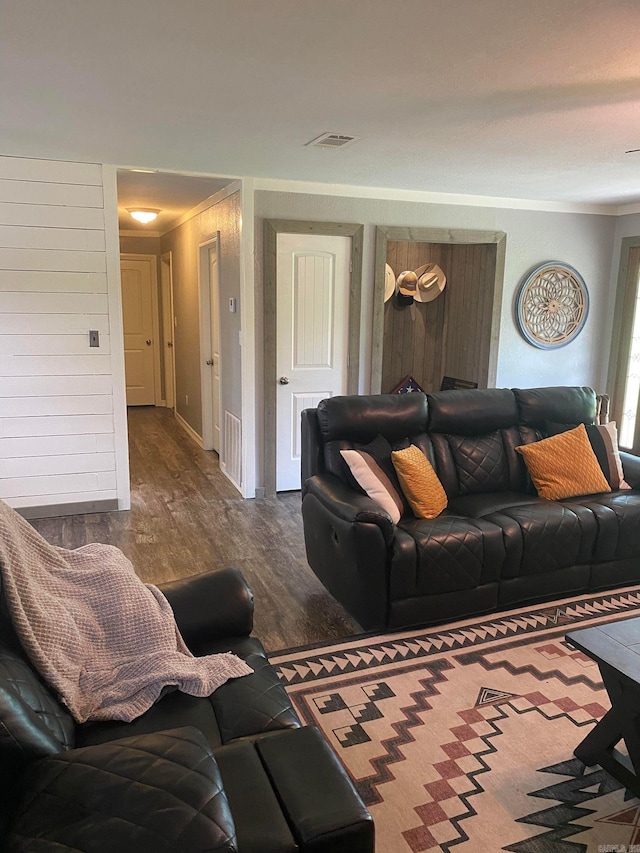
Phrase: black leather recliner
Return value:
(497, 544)
(231, 772)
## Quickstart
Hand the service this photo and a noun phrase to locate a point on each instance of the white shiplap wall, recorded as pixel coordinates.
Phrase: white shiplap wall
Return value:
(57, 422)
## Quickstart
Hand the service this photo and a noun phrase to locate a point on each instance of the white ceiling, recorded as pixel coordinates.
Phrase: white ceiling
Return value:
(505, 98)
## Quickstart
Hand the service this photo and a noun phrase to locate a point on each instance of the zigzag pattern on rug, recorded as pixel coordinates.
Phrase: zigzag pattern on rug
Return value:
(450, 733)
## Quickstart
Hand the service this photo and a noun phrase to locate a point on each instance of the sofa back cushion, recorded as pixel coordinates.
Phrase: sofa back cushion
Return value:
(360, 418)
(562, 405)
(33, 724)
(474, 435)
(348, 422)
(32, 720)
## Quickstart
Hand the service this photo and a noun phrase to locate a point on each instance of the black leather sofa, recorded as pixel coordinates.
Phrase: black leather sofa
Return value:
(231, 772)
(497, 545)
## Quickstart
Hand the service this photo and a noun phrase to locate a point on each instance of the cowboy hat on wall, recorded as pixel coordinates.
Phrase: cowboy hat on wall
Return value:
(406, 287)
(431, 282)
(422, 285)
(389, 283)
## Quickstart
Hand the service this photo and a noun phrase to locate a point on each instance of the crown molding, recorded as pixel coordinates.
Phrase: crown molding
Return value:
(423, 196)
(626, 209)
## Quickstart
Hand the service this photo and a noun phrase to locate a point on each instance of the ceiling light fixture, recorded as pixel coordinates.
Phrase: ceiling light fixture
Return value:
(143, 214)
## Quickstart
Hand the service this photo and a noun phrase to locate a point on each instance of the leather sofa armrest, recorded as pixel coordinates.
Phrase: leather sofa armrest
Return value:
(151, 793)
(211, 605)
(349, 505)
(631, 468)
(326, 813)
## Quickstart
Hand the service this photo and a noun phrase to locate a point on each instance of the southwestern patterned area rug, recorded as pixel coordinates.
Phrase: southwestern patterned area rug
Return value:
(461, 737)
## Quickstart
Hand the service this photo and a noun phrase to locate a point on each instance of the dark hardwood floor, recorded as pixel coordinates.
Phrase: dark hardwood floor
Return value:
(186, 517)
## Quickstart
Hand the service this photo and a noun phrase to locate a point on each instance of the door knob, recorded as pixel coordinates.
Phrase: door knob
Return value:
(284, 380)
(169, 343)
(209, 361)
(148, 342)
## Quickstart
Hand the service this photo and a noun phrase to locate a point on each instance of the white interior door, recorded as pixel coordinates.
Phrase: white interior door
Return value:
(137, 319)
(313, 281)
(167, 332)
(214, 301)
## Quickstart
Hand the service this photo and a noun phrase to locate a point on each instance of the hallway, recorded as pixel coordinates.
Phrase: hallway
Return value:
(186, 517)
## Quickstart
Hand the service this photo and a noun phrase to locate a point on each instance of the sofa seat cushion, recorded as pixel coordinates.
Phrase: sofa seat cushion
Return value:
(451, 553)
(479, 506)
(150, 794)
(618, 519)
(544, 536)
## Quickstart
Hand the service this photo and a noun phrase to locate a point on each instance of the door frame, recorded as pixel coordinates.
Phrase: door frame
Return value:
(206, 386)
(168, 352)
(621, 333)
(433, 235)
(273, 227)
(155, 318)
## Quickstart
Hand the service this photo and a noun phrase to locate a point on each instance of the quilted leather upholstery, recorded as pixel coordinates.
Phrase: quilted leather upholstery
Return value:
(539, 537)
(480, 462)
(155, 793)
(29, 713)
(497, 542)
(253, 705)
(153, 784)
(32, 724)
(618, 517)
(453, 553)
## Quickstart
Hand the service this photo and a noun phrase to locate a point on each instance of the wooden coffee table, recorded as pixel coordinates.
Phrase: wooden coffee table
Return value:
(615, 647)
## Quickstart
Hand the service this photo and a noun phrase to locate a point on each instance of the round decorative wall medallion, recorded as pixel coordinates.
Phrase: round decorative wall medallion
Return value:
(552, 305)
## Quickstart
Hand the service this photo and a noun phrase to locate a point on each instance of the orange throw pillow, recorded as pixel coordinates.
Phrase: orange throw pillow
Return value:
(420, 484)
(564, 465)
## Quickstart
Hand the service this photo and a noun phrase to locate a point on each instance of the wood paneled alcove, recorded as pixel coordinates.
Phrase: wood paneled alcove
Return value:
(454, 335)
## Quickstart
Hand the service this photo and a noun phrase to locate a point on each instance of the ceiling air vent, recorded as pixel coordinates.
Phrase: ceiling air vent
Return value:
(332, 140)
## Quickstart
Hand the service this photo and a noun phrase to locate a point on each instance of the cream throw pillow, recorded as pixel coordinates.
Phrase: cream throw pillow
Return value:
(420, 484)
(564, 465)
(372, 479)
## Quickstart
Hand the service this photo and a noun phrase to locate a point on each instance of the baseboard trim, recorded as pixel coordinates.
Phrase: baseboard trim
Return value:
(189, 429)
(80, 508)
(260, 492)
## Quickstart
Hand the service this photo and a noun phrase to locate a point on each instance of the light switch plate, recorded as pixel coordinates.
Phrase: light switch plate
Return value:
(94, 338)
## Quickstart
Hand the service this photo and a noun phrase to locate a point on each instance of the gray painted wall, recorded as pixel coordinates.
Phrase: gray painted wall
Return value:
(140, 246)
(583, 241)
(183, 241)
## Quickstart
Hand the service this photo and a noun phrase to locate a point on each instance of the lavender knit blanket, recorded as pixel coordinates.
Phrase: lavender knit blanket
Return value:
(105, 642)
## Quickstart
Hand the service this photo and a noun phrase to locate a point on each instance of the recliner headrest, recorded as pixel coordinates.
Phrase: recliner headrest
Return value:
(564, 405)
(362, 418)
(476, 411)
